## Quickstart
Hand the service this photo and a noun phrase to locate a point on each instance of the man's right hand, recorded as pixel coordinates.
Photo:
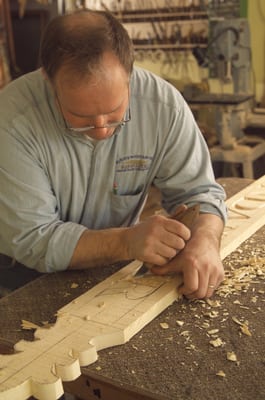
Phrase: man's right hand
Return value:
(156, 240)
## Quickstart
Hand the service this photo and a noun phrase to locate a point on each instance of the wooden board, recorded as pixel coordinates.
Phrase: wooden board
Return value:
(109, 314)
(246, 214)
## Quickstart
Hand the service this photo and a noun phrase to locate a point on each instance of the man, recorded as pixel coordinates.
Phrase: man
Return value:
(82, 140)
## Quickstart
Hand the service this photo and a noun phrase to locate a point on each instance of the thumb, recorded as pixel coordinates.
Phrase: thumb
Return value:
(172, 267)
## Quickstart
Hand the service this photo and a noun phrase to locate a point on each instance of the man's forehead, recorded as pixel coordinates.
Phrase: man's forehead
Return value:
(104, 72)
(86, 100)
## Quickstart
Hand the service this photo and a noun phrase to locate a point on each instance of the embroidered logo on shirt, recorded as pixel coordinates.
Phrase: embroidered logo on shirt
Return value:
(133, 163)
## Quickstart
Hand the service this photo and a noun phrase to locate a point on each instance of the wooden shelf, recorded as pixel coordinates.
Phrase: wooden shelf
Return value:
(159, 16)
(161, 46)
(171, 28)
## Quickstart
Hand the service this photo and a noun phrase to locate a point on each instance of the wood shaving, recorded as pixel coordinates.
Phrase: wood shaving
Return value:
(243, 326)
(240, 278)
(211, 314)
(190, 347)
(180, 323)
(185, 333)
(231, 356)
(213, 331)
(164, 325)
(213, 303)
(221, 374)
(237, 321)
(28, 325)
(217, 342)
(74, 285)
(245, 329)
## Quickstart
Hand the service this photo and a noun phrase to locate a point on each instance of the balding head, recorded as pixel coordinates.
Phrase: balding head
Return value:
(78, 41)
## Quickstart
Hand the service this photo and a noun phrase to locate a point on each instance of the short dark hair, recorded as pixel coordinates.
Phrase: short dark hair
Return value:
(79, 39)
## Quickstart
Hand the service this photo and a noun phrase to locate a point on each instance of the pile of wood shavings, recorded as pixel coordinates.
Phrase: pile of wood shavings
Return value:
(239, 278)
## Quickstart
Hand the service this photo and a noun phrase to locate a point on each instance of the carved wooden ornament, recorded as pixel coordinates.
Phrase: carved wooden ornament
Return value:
(110, 314)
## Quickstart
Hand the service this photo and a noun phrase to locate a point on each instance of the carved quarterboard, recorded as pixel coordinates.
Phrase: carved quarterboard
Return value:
(107, 315)
(246, 214)
(110, 314)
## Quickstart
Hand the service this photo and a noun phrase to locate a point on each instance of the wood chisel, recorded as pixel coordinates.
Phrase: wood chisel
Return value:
(187, 217)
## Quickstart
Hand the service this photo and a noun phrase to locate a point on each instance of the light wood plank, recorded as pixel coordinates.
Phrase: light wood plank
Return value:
(110, 314)
(246, 214)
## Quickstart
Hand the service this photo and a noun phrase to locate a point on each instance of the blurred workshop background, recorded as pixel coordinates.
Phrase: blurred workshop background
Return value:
(213, 51)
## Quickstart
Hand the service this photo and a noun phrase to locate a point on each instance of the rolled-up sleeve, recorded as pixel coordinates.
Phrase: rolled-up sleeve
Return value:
(186, 174)
(31, 230)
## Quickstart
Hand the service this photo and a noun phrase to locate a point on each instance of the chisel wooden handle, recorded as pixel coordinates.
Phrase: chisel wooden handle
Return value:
(187, 216)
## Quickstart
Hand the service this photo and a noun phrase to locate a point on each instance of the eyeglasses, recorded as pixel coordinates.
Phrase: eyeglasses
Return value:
(117, 125)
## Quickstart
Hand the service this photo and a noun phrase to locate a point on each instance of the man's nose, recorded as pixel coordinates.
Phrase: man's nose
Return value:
(100, 121)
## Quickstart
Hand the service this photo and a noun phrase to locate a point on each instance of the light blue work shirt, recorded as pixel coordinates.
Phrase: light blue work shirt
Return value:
(54, 185)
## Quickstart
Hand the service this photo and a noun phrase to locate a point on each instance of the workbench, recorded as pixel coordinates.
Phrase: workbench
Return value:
(175, 360)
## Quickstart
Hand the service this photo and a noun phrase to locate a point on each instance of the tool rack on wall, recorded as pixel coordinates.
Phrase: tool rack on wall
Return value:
(225, 9)
(169, 26)
(168, 31)
(163, 25)
(164, 33)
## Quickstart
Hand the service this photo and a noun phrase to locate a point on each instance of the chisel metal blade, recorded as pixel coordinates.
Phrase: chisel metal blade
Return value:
(143, 270)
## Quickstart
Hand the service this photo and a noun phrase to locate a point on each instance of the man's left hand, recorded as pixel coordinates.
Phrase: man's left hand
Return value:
(199, 262)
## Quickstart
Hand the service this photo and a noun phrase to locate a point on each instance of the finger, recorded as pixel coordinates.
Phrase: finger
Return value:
(215, 278)
(166, 251)
(177, 228)
(168, 268)
(210, 289)
(213, 284)
(204, 287)
(160, 269)
(173, 241)
(159, 261)
(207, 286)
(190, 282)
